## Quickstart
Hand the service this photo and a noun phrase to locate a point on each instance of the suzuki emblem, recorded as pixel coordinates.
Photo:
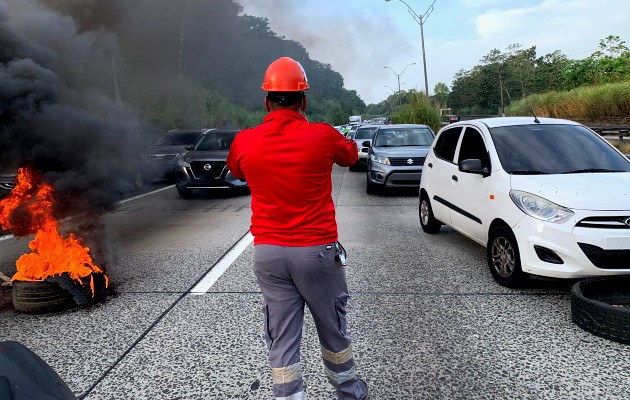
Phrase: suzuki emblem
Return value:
(409, 161)
(207, 167)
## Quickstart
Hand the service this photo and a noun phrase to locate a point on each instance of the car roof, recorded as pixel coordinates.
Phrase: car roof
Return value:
(511, 121)
(368, 126)
(222, 131)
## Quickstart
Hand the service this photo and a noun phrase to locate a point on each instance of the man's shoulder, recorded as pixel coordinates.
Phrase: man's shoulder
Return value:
(324, 126)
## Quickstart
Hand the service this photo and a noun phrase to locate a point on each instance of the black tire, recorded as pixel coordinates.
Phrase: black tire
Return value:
(41, 297)
(185, 193)
(601, 306)
(372, 188)
(427, 221)
(504, 258)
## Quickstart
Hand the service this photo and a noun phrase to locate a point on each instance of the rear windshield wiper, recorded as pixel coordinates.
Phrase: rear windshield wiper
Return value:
(577, 171)
(527, 172)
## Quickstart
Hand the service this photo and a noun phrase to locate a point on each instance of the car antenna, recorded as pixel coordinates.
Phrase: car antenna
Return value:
(536, 120)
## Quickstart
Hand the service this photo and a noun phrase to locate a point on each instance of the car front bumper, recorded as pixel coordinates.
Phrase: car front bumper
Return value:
(394, 176)
(185, 179)
(584, 251)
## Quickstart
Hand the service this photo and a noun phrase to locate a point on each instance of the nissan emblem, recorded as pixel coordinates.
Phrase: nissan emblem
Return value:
(207, 167)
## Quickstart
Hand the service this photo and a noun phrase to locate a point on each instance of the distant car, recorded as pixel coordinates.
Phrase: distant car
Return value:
(160, 160)
(396, 156)
(362, 134)
(546, 197)
(203, 167)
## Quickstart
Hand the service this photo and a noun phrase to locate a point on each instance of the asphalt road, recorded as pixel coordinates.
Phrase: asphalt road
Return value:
(427, 319)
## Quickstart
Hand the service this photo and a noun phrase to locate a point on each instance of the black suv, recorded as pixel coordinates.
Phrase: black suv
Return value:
(203, 166)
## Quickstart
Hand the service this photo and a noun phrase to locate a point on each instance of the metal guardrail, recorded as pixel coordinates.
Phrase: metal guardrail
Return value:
(612, 130)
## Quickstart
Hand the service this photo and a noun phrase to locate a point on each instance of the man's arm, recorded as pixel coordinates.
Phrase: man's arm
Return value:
(345, 150)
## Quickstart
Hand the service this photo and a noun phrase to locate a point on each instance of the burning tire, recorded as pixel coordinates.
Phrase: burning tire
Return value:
(41, 297)
(601, 306)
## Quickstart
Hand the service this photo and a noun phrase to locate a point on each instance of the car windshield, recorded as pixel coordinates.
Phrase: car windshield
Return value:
(178, 139)
(215, 141)
(404, 137)
(554, 149)
(365, 133)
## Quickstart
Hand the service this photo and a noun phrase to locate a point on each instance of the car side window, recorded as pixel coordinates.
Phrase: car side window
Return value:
(447, 143)
(473, 147)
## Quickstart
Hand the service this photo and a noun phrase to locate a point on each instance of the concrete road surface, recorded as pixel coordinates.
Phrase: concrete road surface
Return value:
(427, 319)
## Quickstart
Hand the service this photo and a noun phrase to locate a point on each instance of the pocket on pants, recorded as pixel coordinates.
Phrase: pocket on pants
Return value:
(268, 338)
(340, 304)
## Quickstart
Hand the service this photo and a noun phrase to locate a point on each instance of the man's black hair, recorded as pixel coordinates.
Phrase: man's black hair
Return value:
(285, 98)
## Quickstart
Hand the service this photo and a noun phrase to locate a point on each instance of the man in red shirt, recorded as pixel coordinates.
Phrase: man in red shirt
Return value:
(287, 162)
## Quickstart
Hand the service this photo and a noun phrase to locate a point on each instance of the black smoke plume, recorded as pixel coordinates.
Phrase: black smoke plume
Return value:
(59, 111)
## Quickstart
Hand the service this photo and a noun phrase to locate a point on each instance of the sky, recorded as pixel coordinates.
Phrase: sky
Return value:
(358, 38)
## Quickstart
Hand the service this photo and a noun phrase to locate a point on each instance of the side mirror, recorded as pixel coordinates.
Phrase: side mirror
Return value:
(367, 143)
(473, 166)
(189, 147)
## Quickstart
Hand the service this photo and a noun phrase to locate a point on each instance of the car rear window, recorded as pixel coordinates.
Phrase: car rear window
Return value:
(365, 133)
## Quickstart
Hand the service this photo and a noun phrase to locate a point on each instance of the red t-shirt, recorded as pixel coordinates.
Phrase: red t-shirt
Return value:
(287, 163)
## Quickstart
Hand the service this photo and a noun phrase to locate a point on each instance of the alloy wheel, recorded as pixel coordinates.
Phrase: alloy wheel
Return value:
(503, 258)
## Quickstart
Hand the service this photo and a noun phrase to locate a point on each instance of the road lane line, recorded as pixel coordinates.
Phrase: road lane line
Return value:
(145, 194)
(222, 265)
(6, 237)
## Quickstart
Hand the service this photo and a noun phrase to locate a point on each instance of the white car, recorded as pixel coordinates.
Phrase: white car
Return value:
(547, 197)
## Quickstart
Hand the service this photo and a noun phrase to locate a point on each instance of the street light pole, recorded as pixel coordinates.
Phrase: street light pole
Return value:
(398, 77)
(420, 19)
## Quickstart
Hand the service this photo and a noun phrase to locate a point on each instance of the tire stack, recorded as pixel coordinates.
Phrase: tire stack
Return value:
(601, 306)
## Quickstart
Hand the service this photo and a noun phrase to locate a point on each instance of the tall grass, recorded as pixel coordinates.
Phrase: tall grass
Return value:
(420, 110)
(587, 104)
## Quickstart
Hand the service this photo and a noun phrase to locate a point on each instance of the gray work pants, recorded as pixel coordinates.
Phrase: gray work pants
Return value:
(290, 277)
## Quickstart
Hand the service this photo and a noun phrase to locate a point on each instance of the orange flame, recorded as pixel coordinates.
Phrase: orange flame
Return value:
(27, 210)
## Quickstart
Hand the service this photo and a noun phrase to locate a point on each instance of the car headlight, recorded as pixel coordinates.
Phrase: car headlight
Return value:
(539, 208)
(380, 160)
(183, 163)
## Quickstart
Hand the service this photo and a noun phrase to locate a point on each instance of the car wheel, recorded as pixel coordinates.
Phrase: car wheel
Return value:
(185, 193)
(34, 297)
(371, 188)
(504, 258)
(601, 306)
(353, 167)
(427, 221)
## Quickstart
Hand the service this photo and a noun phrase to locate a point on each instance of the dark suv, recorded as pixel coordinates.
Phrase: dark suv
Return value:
(203, 166)
(160, 160)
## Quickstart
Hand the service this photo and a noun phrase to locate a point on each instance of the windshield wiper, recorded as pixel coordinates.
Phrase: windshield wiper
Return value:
(527, 172)
(577, 171)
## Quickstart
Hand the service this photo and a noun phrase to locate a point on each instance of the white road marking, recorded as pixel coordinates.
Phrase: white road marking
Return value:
(145, 194)
(6, 237)
(222, 265)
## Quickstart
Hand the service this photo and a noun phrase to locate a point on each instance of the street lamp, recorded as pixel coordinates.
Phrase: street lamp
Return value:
(399, 75)
(391, 88)
(420, 20)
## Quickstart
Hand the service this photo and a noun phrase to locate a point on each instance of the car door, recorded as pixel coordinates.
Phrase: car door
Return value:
(468, 198)
(438, 172)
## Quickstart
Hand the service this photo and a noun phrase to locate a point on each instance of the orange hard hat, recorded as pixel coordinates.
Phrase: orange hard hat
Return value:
(285, 75)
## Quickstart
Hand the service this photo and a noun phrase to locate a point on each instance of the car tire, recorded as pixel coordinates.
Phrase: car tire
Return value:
(504, 259)
(185, 193)
(427, 221)
(38, 297)
(371, 188)
(601, 306)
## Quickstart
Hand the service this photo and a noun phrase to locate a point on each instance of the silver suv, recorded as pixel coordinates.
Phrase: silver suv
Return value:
(396, 156)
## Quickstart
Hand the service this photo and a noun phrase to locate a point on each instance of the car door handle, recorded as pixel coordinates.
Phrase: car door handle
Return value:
(454, 178)
(430, 165)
